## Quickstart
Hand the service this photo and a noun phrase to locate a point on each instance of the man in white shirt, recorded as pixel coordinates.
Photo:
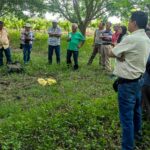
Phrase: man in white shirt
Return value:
(54, 41)
(132, 54)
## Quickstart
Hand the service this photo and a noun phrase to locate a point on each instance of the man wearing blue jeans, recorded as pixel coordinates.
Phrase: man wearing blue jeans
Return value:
(54, 42)
(131, 54)
(27, 38)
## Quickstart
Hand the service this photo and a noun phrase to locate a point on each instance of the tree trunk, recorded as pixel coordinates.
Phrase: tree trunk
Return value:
(82, 28)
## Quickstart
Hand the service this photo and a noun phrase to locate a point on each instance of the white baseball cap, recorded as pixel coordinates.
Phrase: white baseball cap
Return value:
(55, 20)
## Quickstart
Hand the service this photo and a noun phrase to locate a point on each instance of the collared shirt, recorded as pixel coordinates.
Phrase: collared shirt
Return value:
(76, 39)
(98, 33)
(54, 41)
(136, 48)
(27, 37)
(4, 41)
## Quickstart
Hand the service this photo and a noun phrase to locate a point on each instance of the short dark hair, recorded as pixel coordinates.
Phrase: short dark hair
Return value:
(124, 32)
(141, 19)
(109, 23)
(1, 22)
(103, 23)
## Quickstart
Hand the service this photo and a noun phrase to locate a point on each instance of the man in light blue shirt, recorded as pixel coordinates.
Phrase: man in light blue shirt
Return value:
(54, 41)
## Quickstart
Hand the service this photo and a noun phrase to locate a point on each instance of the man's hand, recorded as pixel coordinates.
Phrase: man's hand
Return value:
(68, 39)
(79, 46)
(122, 58)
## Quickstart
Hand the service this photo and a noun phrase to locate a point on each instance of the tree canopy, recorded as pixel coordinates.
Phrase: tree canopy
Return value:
(84, 11)
(79, 11)
(75, 11)
(17, 7)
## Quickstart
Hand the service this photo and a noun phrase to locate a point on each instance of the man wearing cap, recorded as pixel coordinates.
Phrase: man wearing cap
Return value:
(4, 44)
(27, 38)
(54, 41)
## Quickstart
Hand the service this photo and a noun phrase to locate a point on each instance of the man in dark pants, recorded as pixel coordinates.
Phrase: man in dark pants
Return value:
(54, 41)
(146, 87)
(4, 44)
(134, 49)
(76, 40)
(146, 90)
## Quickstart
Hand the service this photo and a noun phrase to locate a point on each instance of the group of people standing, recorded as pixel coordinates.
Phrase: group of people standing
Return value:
(130, 51)
(75, 41)
(104, 41)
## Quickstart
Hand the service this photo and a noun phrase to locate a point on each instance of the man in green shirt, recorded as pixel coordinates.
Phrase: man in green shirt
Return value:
(76, 40)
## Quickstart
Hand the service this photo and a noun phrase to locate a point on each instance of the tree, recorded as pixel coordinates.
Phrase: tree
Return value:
(17, 7)
(79, 11)
(123, 8)
(145, 6)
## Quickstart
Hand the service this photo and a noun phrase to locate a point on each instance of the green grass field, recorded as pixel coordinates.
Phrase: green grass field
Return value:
(80, 112)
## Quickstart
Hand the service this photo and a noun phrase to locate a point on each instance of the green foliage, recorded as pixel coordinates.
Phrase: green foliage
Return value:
(13, 22)
(17, 7)
(79, 112)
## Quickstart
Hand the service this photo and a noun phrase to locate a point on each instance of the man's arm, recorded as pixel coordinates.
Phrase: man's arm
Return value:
(121, 58)
(58, 34)
(119, 50)
(81, 44)
(82, 39)
(124, 46)
(111, 54)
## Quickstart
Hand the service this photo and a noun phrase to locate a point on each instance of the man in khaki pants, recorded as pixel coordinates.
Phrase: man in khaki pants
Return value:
(97, 42)
(106, 47)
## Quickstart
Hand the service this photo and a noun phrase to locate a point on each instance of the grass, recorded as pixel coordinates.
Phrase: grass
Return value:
(79, 112)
